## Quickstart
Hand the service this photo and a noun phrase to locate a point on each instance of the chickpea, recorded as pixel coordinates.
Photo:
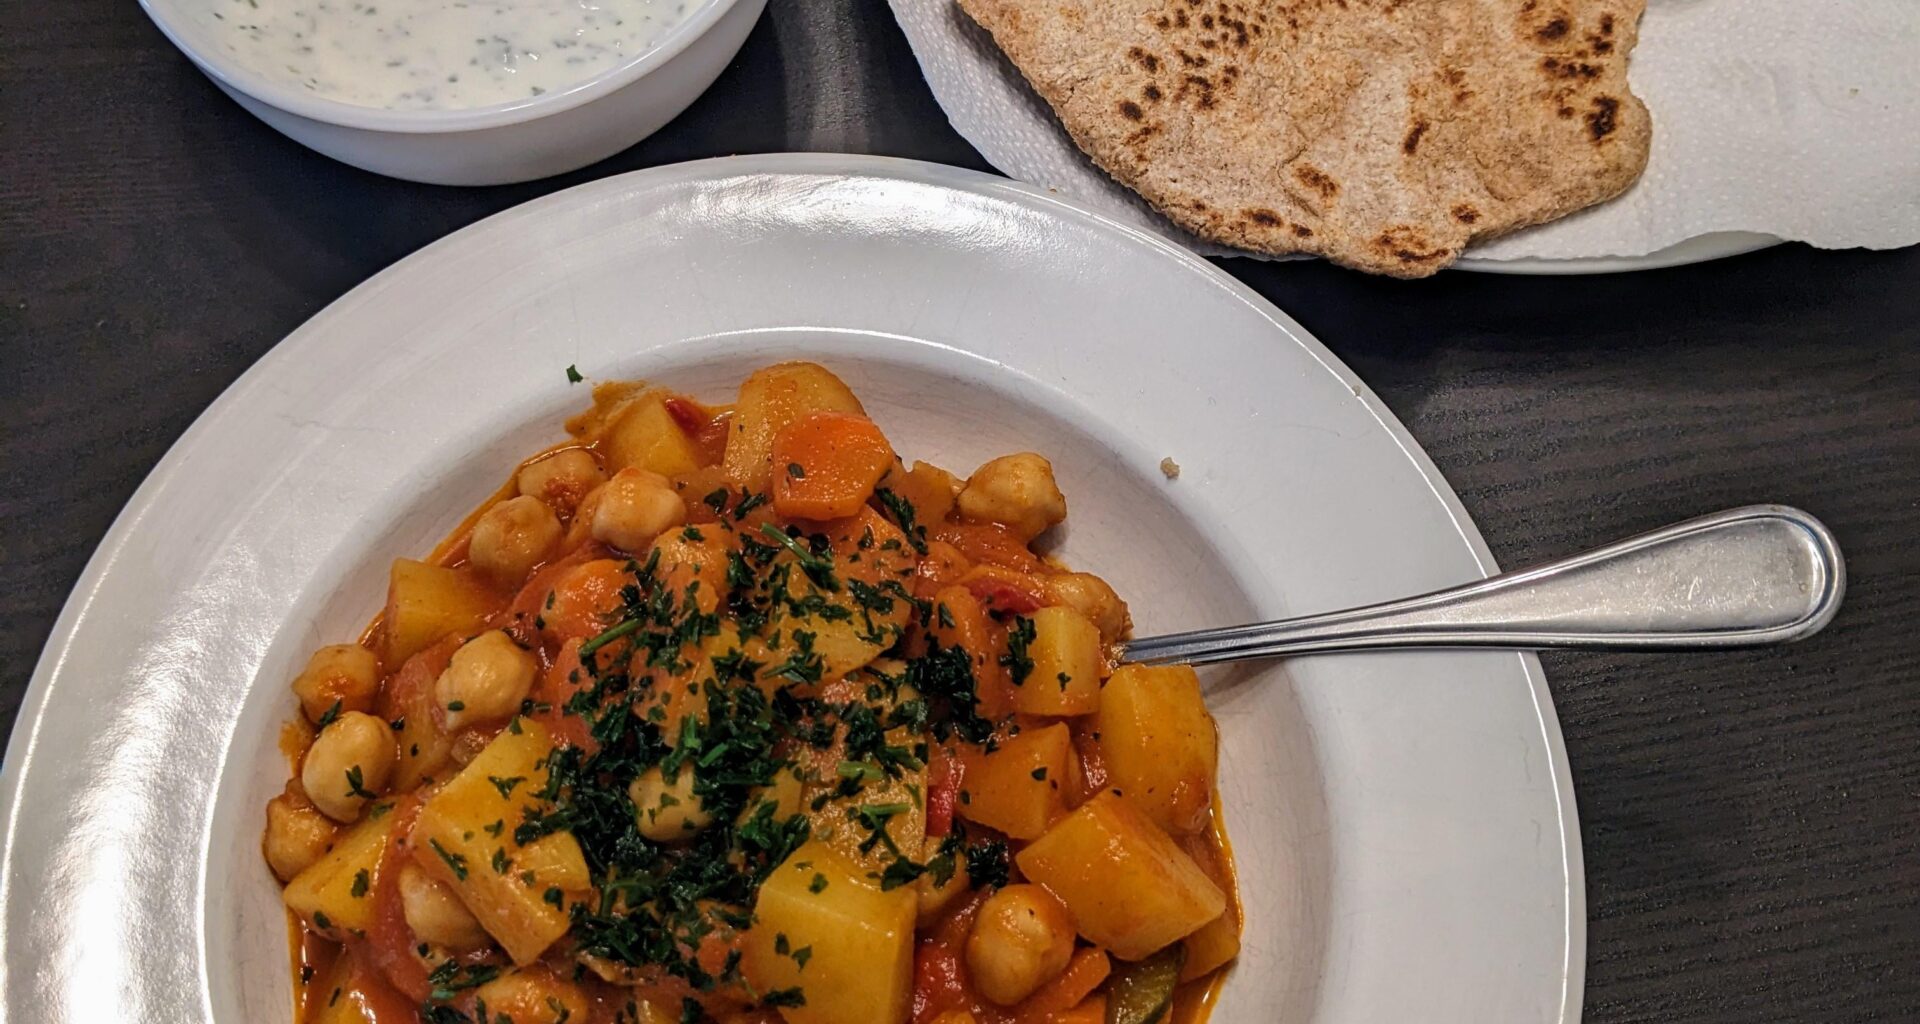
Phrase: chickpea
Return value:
(348, 763)
(1022, 939)
(347, 673)
(1017, 491)
(561, 479)
(701, 564)
(513, 537)
(534, 995)
(436, 915)
(487, 679)
(635, 507)
(297, 835)
(668, 810)
(1091, 596)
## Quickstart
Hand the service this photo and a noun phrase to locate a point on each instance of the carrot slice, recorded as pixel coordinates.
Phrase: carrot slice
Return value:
(826, 465)
(1088, 968)
(1093, 1010)
(390, 941)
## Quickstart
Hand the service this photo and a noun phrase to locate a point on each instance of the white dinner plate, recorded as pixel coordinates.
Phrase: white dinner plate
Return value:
(1404, 823)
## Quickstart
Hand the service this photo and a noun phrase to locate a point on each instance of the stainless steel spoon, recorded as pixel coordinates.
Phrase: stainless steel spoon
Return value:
(1763, 574)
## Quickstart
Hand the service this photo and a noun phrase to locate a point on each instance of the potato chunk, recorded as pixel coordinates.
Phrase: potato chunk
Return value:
(428, 602)
(928, 488)
(1021, 787)
(1215, 944)
(644, 435)
(822, 927)
(464, 838)
(1129, 887)
(1065, 678)
(770, 400)
(334, 895)
(1160, 744)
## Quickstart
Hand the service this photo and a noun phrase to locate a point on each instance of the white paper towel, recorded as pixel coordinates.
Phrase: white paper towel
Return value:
(1794, 118)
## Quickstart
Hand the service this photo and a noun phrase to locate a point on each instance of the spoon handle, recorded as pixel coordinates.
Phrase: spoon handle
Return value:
(1763, 574)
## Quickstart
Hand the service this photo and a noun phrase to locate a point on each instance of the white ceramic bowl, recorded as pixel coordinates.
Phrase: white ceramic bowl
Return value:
(494, 145)
(1404, 822)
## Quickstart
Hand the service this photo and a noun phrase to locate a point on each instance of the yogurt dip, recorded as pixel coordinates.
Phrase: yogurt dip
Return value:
(437, 54)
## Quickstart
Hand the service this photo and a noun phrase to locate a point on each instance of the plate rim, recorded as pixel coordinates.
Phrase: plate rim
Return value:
(1701, 248)
(35, 705)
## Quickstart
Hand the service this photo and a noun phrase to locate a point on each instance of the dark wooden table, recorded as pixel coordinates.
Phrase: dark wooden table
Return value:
(1751, 821)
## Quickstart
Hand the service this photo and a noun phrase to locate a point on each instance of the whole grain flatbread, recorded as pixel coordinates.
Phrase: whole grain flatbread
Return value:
(1382, 134)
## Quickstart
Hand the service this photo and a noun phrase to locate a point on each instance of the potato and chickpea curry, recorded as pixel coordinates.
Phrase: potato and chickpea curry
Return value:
(726, 714)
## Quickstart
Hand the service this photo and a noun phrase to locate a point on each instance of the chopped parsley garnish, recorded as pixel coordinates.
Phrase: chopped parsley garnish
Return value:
(359, 888)
(452, 977)
(784, 997)
(573, 374)
(946, 674)
(627, 628)
(818, 568)
(860, 771)
(903, 514)
(1019, 637)
(987, 864)
(803, 665)
(900, 871)
(327, 717)
(455, 862)
(356, 784)
(748, 502)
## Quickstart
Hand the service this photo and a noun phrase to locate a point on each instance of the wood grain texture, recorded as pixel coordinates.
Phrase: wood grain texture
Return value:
(1751, 821)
